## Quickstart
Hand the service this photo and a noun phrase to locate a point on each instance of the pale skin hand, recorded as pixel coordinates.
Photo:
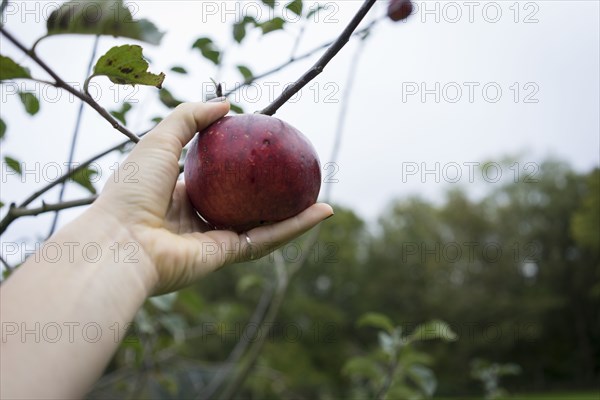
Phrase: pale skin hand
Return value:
(63, 317)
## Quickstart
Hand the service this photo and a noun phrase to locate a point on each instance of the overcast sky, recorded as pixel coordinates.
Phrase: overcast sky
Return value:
(454, 87)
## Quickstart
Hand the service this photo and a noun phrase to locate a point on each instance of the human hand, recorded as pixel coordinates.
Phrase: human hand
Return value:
(152, 207)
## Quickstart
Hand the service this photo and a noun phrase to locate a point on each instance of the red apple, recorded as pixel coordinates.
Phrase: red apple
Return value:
(399, 9)
(251, 170)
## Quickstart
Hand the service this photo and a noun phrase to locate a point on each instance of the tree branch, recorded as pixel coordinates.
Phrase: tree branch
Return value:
(18, 212)
(64, 85)
(6, 221)
(331, 52)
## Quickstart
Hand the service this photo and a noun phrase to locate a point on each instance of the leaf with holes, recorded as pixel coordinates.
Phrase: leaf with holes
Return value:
(30, 102)
(13, 164)
(121, 114)
(207, 49)
(246, 73)
(125, 65)
(90, 17)
(295, 7)
(83, 177)
(11, 70)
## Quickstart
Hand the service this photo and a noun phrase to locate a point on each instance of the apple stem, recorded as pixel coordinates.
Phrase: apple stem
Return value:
(319, 66)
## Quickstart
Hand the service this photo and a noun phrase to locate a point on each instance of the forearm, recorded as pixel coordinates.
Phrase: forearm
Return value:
(65, 308)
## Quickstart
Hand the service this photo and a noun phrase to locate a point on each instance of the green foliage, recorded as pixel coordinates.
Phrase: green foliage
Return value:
(122, 112)
(2, 128)
(208, 49)
(168, 99)
(126, 65)
(295, 7)
(83, 178)
(272, 25)
(396, 367)
(240, 28)
(246, 73)
(30, 102)
(106, 17)
(376, 320)
(179, 69)
(13, 164)
(490, 373)
(11, 70)
(585, 224)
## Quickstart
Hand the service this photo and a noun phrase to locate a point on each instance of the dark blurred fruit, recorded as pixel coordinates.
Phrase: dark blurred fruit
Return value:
(399, 9)
(251, 170)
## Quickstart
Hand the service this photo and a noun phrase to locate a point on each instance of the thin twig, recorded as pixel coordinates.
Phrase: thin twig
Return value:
(257, 345)
(64, 85)
(63, 186)
(240, 348)
(319, 66)
(18, 212)
(293, 60)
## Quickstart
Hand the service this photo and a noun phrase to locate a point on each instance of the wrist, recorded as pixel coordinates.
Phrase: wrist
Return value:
(102, 242)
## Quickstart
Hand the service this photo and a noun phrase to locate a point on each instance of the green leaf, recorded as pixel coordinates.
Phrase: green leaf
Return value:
(272, 25)
(168, 99)
(11, 70)
(239, 31)
(208, 49)
(31, 103)
(83, 177)
(179, 70)
(376, 320)
(270, 3)
(362, 367)
(236, 109)
(126, 65)
(247, 282)
(246, 73)
(239, 28)
(121, 114)
(1, 204)
(156, 120)
(434, 329)
(91, 17)
(424, 378)
(295, 7)
(2, 129)
(13, 164)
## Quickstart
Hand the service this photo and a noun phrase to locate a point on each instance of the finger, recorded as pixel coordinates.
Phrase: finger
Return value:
(261, 241)
(152, 167)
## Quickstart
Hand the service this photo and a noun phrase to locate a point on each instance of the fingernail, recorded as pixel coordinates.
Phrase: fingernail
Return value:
(329, 216)
(217, 100)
